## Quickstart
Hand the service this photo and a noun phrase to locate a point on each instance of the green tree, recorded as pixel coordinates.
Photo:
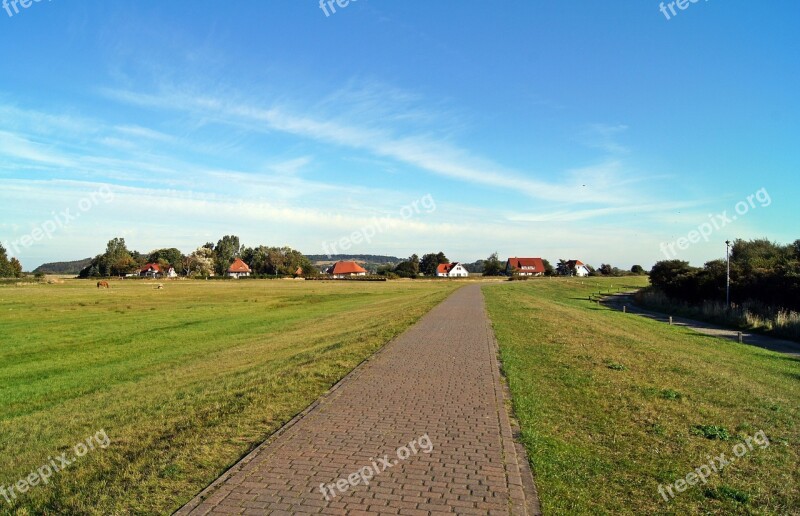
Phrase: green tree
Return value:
(200, 262)
(171, 256)
(430, 262)
(548, 268)
(385, 270)
(117, 260)
(408, 268)
(5, 265)
(606, 269)
(492, 266)
(16, 267)
(227, 249)
(638, 270)
(277, 261)
(672, 276)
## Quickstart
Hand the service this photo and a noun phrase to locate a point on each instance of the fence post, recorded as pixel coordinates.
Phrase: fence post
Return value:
(740, 337)
(624, 309)
(670, 320)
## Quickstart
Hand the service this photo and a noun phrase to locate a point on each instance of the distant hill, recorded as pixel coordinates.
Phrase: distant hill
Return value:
(63, 267)
(475, 267)
(366, 258)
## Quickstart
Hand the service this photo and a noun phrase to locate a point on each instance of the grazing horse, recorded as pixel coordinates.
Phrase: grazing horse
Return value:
(103, 284)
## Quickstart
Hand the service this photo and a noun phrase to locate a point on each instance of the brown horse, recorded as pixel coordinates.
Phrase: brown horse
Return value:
(103, 284)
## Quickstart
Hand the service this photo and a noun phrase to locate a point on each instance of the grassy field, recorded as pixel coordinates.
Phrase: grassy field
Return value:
(184, 381)
(613, 405)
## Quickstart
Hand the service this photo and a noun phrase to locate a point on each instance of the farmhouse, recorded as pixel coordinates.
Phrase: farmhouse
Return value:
(238, 269)
(341, 270)
(451, 270)
(578, 268)
(525, 266)
(151, 270)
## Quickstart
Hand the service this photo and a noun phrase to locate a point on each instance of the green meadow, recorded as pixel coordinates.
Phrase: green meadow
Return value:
(184, 381)
(612, 405)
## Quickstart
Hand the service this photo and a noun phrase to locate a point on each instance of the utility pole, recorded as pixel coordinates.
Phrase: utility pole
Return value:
(728, 284)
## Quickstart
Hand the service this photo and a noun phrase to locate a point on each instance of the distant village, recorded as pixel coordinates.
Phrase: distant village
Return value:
(229, 259)
(344, 269)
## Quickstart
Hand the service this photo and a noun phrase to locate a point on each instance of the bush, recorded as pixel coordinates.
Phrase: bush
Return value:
(750, 315)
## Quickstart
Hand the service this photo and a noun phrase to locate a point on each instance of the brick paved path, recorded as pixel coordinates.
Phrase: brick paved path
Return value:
(439, 379)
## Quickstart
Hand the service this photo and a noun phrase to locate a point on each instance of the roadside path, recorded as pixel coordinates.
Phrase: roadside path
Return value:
(788, 347)
(437, 386)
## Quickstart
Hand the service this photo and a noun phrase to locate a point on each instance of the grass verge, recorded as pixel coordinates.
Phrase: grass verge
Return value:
(184, 381)
(612, 405)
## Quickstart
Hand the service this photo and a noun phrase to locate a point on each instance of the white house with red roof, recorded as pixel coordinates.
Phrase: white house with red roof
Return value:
(341, 270)
(578, 268)
(239, 269)
(451, 270)
(525, 266)
(151, 270)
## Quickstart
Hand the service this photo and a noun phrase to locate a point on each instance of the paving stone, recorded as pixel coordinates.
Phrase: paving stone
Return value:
(439, 379)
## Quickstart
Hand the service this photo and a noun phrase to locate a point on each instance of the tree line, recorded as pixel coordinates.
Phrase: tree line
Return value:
(761, 270)
(207, 260)
(491, 266)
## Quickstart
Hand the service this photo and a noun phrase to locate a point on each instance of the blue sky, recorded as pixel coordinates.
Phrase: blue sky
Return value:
(600, 130)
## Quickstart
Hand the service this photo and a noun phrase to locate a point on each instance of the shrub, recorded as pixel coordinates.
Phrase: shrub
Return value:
(712, 432)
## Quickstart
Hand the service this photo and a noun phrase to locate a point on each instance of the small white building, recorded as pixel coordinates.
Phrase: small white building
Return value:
(151, 270)
(239, 269)
(451, 270)
(578, 268)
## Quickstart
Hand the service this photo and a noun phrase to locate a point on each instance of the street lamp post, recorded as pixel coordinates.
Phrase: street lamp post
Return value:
(728, 284)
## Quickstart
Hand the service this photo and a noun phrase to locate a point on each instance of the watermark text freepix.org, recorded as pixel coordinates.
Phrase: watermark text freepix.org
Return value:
(716, 222)
(714, 465)
(331, 4)
(42, 474)
(60, 220)
(367, 233)
(367, 473)
(8, 5)
(669, 7)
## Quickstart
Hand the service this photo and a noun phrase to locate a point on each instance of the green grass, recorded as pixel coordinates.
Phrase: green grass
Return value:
(184, 381)
(611, 405)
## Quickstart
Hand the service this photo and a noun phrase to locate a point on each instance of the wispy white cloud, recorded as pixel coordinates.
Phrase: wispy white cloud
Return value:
(426, 151)
(136, 131)
(17, 147)
(598, 213)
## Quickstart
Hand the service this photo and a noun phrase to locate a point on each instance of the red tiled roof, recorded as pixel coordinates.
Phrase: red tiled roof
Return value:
(238, 266)
(347, 268)
(444, 268)
(575, 263)
(151, 267)
(526, 263)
